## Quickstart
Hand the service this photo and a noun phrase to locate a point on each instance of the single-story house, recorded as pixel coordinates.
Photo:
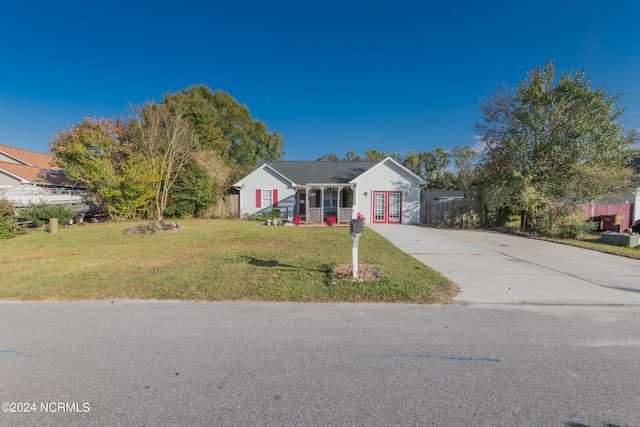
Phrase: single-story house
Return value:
(20, 167)
(383, 191)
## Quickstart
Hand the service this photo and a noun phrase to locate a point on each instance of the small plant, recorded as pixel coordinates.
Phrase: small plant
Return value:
(331, 220)
(8, 222)
(268, 216)
(297, 220)
(571, 227)
(361, 218)
(39, 213)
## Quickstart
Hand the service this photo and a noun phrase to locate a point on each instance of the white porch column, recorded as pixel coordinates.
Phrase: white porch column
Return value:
(321, 203)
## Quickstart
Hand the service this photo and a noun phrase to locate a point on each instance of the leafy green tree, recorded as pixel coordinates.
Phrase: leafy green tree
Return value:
(226, 127)
(198, 188)
(351, 156)
(201, 113)
(166, 140)
(434, 164)
(373, 155)
(552, 139)
(99, 153)
(329, 157)
(464, 160)
(412, 162)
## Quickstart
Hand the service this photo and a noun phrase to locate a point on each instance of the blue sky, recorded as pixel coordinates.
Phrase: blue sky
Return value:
(331, 76)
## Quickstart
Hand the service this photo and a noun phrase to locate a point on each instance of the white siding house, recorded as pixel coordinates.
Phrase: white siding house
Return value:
(265, 189)
(390, 193)
(384, 191)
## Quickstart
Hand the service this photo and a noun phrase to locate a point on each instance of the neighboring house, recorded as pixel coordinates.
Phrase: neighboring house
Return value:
(19, 167)
(635, 197)
(384, 191)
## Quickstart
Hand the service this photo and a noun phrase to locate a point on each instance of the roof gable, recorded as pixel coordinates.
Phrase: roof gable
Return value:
(397, 166)
(29, 166)
(29, 158)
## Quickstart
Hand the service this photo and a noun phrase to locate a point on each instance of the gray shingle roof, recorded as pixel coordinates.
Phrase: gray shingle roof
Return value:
(318, 172)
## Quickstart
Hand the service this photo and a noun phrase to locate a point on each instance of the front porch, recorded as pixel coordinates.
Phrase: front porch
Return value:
(317, 201)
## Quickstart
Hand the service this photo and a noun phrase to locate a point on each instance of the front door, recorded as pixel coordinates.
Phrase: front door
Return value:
(387, 207)
(302, 203)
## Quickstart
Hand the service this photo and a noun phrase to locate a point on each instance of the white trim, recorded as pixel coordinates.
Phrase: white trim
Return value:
(241, 183)
(420, 180)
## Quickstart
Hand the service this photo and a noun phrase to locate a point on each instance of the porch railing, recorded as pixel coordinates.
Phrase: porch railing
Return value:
(344, 214)
(315, 215)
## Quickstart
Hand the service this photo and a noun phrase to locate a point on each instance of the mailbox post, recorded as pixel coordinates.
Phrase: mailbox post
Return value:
(356, 231)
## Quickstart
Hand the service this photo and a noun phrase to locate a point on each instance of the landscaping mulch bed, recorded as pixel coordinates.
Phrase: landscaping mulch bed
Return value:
(366, 273)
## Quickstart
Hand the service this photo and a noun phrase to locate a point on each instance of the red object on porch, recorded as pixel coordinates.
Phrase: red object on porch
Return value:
(258, 198)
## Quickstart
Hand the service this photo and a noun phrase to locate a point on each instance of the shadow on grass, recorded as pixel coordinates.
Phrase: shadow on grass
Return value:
(275, 263)
(272, 263)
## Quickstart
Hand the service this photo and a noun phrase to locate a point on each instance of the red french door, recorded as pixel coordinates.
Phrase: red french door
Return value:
(387, 207)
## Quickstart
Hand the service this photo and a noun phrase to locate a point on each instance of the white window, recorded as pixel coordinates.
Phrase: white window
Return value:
(266, 198)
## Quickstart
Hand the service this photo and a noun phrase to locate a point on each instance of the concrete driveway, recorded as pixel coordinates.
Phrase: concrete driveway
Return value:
(492, 267)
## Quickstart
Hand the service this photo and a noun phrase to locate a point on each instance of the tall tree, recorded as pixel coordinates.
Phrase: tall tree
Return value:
(329, 157)
(464, 159)
(412, 162)
(226, 127)
(552, 139)
(434, 164)
(164, 137)
(100, 153)
(373, 155)
(351, 156)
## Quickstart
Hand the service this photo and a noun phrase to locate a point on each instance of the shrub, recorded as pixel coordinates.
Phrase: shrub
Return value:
(331, 219)
(362, 218)
(8, 221)
(267, 215)
(297, 220)
(39, 213)
(571, 227)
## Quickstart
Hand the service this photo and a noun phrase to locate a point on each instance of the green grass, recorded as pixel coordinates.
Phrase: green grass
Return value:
(210, 261)
(593, 242)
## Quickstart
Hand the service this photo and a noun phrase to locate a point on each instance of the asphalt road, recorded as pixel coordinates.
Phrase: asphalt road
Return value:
(142, 363)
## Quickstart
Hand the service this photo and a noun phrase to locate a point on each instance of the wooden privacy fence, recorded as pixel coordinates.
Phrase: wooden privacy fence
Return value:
(595, 210)
(449, 210)
(228, 207)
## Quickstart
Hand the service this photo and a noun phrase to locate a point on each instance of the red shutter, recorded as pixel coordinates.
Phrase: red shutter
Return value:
(318, 195)
(258, 198)
(275, 198)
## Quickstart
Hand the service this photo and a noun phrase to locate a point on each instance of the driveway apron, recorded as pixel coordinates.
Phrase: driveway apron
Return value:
(498, 268)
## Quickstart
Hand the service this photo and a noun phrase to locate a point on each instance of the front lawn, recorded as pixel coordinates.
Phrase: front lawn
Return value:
(210, 261)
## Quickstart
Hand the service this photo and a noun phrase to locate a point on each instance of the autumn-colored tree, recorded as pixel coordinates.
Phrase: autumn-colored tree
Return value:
(99, 153)
(464, 161)
(164, 137)
(552, 139)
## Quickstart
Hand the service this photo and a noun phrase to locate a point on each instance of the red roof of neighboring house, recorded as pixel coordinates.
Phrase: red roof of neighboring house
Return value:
(30, 164)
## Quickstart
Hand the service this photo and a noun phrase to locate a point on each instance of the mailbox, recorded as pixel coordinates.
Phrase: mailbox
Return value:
(356, 226)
